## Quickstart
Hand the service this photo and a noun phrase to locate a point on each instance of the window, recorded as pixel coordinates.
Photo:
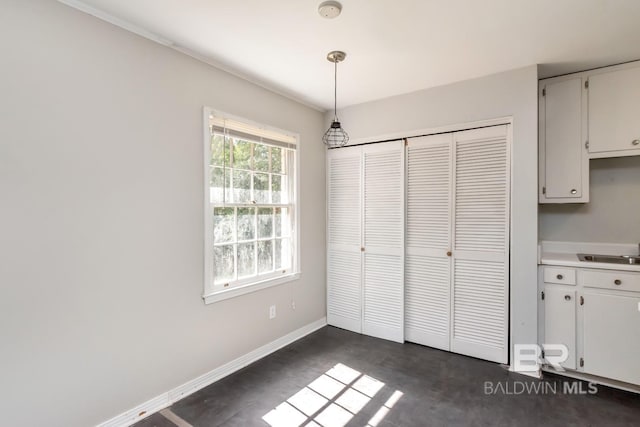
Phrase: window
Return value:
(251, 212)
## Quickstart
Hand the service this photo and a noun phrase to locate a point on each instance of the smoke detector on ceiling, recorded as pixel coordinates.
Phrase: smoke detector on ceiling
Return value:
(329, 9)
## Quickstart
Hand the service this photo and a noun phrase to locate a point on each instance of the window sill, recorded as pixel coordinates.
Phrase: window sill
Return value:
(252, 287)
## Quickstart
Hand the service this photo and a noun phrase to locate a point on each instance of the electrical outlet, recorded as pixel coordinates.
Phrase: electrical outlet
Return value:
(272, 312)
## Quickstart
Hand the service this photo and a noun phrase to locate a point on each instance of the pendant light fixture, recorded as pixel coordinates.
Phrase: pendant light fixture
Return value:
(335, 136)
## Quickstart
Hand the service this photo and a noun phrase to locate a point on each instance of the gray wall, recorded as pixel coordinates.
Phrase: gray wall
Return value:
(512, 93)
(611, 216)
(101, 219)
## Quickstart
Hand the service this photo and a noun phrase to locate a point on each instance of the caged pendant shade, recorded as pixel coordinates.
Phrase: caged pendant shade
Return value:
(335, 136)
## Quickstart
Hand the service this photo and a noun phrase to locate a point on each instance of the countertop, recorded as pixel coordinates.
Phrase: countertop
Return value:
(571, 260)
(564, 254)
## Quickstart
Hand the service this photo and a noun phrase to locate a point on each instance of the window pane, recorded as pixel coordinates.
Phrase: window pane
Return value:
(223, 264)
(277, 163)
(223, 225)
(261, 187)
(282, 254)
(246, 224)
(219, 152)
(265, 223)
(218, 182)
(241, 154)
(265, 256)
(246, 260)
(261, 157)
(281, 225)
(276, 189)
(241, 186)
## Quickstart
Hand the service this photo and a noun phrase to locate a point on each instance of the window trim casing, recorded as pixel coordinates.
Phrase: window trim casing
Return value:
(212, 294)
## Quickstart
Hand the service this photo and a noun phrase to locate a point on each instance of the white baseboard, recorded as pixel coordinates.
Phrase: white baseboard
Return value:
(166, 399)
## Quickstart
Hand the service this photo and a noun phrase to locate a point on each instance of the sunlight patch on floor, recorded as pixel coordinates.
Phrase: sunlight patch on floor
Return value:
(331, 400)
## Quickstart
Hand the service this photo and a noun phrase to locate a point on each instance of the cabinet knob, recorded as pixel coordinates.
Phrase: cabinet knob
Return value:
(574, 191)
(618, 282)
(560, 277)
(567, 297)
(635, 142)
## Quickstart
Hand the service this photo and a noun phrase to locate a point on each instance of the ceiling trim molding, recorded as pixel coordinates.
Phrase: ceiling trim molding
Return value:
(128, 26)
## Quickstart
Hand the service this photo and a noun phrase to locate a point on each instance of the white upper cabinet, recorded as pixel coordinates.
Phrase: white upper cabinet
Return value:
(614, 113)
(588, 115)
(564, 159)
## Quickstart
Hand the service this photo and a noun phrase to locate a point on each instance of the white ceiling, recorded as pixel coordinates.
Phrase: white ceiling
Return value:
(392, 46)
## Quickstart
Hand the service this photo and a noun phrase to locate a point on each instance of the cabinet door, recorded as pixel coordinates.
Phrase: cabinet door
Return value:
(560, 320)
(564, 163)
(383, 228)
(612, 336)
(344, 265)
(428, 239)
(481, 243)
(614, 109)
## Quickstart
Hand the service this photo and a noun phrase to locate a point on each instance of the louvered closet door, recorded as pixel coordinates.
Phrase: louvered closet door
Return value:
(481, 243)
(383, 201)
(427, 266)
(344, 258)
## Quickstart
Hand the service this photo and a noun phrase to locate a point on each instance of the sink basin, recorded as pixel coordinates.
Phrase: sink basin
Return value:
(611, 259)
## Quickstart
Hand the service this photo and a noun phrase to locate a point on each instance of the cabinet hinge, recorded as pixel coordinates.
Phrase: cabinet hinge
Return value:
(586, 84)
(581, 300)
(406, 142)
(544, 190)
(544, 92)
(581, 362)
(542, 353)
(542, 295)
(586, 145)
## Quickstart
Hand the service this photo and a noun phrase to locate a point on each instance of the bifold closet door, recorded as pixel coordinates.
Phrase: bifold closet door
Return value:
(428, 236)
(481, 243)
(383, 240)
(344, 256)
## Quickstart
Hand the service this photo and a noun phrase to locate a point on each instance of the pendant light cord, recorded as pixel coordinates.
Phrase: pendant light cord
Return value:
(335, 90)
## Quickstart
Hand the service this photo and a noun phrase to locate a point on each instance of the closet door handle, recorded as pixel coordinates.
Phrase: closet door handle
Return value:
(635, 142)
(449, 253)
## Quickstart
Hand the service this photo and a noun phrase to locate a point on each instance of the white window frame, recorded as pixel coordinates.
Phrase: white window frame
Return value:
(214, 293)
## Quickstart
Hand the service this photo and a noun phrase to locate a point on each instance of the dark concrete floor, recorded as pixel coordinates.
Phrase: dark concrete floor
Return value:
(438, 389)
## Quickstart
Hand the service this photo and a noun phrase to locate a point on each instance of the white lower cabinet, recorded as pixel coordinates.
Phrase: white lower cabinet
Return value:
(612, 336)
(597, 319)
(560, 320)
